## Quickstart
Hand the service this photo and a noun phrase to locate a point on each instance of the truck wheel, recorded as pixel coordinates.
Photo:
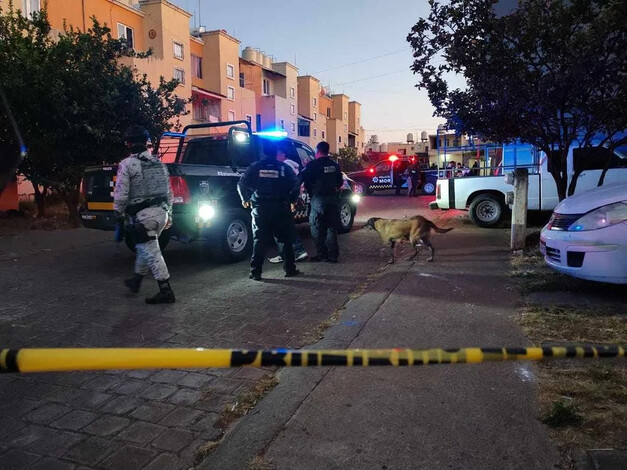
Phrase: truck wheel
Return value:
(428, 188)
(486, 210)
(347, 216)
(360, 188)
(234, 237)
(164, 239)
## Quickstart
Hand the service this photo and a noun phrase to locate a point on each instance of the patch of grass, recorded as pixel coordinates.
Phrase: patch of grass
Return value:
(260, 463)
(562, 413)
(246, 402)
(204, 450)
(317, 333)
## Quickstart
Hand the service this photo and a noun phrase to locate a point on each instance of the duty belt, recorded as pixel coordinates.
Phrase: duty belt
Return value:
(135, 208)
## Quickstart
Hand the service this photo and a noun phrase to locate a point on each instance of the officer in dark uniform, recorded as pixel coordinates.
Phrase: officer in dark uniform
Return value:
(323, 179)
(270, 187)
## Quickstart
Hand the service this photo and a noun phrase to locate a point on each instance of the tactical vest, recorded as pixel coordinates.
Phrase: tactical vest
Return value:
(154, 182)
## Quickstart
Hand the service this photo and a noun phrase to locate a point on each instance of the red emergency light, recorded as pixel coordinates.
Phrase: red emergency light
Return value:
(371, 170)
(393, 158)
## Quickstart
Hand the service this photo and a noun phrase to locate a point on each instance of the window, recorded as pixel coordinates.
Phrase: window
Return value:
(345, 116)
(322, 135)
(305, 153)
(383, 167)
(197, 66)
(29, 7)
(315, 117)
(292, 109)
(315, 132)
(292, 92)
(345, 127)
(339, 139)
(179, 74)
(178, 50)
(293, 126)
(329, 113)
(595, 158)
(230, 93)
(199, 111)
(231, 115)
(266, 86)
(124, 32)
(230, 71)
(242, 80)
(314, 101)
(303, 127)
(282, 123)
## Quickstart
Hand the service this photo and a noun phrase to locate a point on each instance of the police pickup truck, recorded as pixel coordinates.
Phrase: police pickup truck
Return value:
(205, 162)
(388, 174)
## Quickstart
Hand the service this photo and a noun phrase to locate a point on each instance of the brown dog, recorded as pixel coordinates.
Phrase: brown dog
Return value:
(415, 229)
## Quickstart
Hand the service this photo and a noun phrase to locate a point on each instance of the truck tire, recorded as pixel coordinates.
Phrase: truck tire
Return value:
(486, 210)
(428, 188)
(347, 216)
(233, 237)
(164, 239)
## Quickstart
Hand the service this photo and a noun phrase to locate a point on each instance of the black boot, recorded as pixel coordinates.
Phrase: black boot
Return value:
(134, 283)
(164, 296)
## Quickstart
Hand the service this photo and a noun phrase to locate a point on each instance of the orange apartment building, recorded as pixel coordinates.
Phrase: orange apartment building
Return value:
(222, 85)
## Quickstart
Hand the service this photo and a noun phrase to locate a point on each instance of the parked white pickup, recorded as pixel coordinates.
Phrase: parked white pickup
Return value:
(486, 197)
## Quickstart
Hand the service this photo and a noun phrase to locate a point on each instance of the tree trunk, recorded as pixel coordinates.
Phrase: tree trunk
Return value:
(605, 168)
(40, 200)
(71, 198)
(573, 183)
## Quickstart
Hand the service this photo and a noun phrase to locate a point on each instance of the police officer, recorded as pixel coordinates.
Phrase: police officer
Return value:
(142, 192)
(271, 187)
(323, 179)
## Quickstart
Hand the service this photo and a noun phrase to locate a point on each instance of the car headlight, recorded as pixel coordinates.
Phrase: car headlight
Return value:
(356, 198)
(604, 216)
(206, 212)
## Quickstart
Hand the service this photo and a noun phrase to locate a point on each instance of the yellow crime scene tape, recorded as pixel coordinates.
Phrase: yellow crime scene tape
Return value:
(76, 359)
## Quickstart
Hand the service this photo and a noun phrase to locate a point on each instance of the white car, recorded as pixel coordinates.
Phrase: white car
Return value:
(586, 236)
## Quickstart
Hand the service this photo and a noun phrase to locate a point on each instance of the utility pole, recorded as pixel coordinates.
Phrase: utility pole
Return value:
(519, 211)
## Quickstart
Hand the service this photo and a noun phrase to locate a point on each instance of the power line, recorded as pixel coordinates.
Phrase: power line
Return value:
(370, 78)
(361, 61)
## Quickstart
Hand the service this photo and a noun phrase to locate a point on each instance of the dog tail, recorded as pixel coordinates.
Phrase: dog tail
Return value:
(438, 229)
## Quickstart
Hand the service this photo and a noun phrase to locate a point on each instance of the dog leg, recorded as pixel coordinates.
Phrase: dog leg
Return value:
(392, 246)
(430, 246)
(416, 251)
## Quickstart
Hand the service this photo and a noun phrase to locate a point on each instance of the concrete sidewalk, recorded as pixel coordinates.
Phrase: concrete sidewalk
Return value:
(465, 416)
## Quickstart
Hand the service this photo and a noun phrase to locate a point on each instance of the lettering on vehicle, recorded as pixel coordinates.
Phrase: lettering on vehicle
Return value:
(268, 174)
(329, 169)
(204, 188)
(227, 173)
(375, 179)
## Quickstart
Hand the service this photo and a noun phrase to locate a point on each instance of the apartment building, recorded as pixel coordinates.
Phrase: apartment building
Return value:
(222, 85)
(312, 117)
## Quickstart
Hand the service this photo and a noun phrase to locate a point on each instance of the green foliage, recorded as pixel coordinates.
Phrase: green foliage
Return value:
(561, 414)
(73, 98)
(550, 73)
(349, 159)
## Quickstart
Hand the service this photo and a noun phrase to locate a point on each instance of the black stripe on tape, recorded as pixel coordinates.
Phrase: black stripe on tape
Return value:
(516, 351)
(334, 360)
(11, 361)
(379, 361)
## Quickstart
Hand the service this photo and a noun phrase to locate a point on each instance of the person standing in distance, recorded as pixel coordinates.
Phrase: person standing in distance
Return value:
(142, 192)
(322, 179)
(270, 187)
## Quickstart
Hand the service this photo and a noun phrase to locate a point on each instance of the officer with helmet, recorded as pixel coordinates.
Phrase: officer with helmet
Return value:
(142, 192)
(271, 187)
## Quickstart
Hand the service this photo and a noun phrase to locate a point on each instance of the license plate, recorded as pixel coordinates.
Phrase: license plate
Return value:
(88, 217)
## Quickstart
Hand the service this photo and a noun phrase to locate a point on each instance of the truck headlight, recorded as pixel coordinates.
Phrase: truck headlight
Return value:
(356, 198)
(206, 212)
(604, 216)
